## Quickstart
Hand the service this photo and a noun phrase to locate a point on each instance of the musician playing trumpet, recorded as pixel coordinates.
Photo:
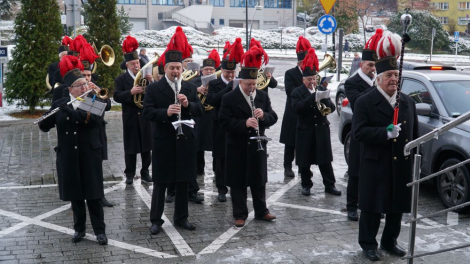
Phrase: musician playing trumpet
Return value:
(174, 158)
(245, 164)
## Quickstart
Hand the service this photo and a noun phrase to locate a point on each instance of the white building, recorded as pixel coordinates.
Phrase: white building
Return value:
(207, 15)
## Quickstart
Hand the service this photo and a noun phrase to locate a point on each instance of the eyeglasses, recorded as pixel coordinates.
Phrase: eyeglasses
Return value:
(86, 75)
(80, 85)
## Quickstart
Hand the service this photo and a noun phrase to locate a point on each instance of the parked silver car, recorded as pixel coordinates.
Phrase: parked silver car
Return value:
(442, 94)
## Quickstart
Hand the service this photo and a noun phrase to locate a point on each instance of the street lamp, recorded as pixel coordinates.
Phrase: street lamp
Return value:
(257, 7)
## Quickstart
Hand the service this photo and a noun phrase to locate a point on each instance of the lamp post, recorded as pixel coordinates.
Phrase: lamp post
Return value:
(257, 7)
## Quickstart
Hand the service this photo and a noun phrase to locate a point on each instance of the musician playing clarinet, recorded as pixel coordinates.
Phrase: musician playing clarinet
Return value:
(79, 153)
(174, 159)
(245, 113)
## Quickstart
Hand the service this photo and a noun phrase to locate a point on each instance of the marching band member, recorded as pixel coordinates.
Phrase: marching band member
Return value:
(384, 170)
(217, 89)
(313, 142)
(292, 79)
(53, 67)
(273, 82)
(137, 130)
(79, 154)
(174, 159)
(356, 86)
(245, 166)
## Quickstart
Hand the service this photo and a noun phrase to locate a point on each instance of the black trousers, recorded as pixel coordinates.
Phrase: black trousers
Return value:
(158, 203)
(369, 224)
(95, 208)
(239, 199)
(327, 174)
(193, 187)
(289, 155)
(131, 164)
(201, 162)
(219, 171)
(352, 196)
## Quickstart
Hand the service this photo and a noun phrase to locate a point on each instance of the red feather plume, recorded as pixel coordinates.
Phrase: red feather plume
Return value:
(227, 46)
(161, 60)
(129, 44)
(68, 63)
(236, 51)
(78, 43)
(66, 41)
(252, 58)
(372, 43)
(256, 43)
(179, 41)
(215, 56)
(87, 53)
(311, 60)
(302, 45)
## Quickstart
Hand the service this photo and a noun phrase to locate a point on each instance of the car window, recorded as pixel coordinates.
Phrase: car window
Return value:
(455, 95)
(417, 91)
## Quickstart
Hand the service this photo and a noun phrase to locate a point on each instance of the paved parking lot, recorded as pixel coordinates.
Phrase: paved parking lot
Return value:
(36, 227)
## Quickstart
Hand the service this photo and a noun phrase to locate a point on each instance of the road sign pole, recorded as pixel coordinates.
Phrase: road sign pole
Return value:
(326, 50)
(432, 42)
(456, 49)
(1, 84)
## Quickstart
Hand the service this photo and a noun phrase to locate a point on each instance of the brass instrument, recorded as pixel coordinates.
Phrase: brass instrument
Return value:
(49, 87)
(262, 81)
(106, 54)
(328, 62)
(187, 75)
(142, 82)
(257, 137)
(207, 107)
(102, 93)
(219, 72)
(324, 110)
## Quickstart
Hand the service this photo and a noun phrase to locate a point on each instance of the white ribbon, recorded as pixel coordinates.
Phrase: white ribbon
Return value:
(189, 123)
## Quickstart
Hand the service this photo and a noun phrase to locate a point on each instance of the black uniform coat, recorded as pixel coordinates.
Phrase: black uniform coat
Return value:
(203, 125)
(217, 89)
(313, 142)
(355, 87)
(51, 70)
(293, 79)
(244, 165)
(137, 130)
(79, 156)
(384, 171)
(174, 158)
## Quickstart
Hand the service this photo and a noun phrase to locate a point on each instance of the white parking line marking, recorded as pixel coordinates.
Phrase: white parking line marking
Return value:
(45, 185)
(452, 219)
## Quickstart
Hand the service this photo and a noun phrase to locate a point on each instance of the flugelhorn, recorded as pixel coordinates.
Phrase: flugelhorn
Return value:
(324, 110)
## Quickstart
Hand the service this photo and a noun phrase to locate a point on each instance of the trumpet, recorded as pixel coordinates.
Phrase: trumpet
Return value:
(180, 128)
(102, 93)
(324, 110)
(258, 137)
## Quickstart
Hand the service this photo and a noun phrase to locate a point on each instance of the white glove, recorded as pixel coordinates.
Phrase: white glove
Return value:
(322, 95)
(395, 132)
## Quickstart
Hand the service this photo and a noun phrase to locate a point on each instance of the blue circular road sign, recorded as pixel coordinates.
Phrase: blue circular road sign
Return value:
(327, 24)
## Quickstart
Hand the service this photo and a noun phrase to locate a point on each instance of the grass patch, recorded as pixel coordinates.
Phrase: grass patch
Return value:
(116, 108)
(25, 114)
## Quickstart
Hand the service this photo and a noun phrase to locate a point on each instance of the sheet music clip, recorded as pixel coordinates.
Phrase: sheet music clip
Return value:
(93, 106)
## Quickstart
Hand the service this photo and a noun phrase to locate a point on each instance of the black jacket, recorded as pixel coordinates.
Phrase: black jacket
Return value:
(244, 165)
(51, 70)
(384, 170)
(292, 80)
(173, 157)
(312, 141)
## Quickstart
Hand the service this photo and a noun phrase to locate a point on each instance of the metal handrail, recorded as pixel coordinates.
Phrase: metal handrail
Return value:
(435, 133)
(438, 173)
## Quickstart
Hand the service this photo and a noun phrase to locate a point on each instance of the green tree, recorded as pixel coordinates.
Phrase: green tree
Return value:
(103, 28)
(346, 16)
(38, 35)
(420, 31)
(124, 25)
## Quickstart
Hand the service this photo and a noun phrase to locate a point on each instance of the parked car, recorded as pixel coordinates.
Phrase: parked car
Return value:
(303, 17)
(441, 94)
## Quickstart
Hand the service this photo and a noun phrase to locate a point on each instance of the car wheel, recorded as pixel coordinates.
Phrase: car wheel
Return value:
(339, 103)
(347, 143)
(453, 186)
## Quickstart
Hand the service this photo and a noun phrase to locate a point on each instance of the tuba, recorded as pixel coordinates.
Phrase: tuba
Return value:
(327, 63)
(142, 82)
(262, 82)
(106, 54)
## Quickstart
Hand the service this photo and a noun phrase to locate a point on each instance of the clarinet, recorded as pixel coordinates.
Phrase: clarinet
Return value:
(180, 128)
(258, 137)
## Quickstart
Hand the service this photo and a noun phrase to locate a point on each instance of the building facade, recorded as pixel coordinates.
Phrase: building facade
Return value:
(453, 14)
(160, 14)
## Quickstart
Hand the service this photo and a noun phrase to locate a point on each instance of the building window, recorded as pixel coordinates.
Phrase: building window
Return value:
(132, 2)
(442, 6)
(241, 3)
(221, 22)
(212, 21)
(463, 21)
(464, 5)
(278, 3)
(443, 20)
(217, 2)
(270, 23)
(168, 2)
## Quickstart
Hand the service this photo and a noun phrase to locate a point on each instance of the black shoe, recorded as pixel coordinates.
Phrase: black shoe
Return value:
(146, 178)
(102, 239)
(155, 229)
(170, 198)
(371, 254)
(195, 198)
(106, 203)
(306, 191)
(352, 216)
(186, 225)
(129, 180)
(395, 250)
(288, 172)
(382, 216)
(77, 237)
(222, 197)
(333, 190)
